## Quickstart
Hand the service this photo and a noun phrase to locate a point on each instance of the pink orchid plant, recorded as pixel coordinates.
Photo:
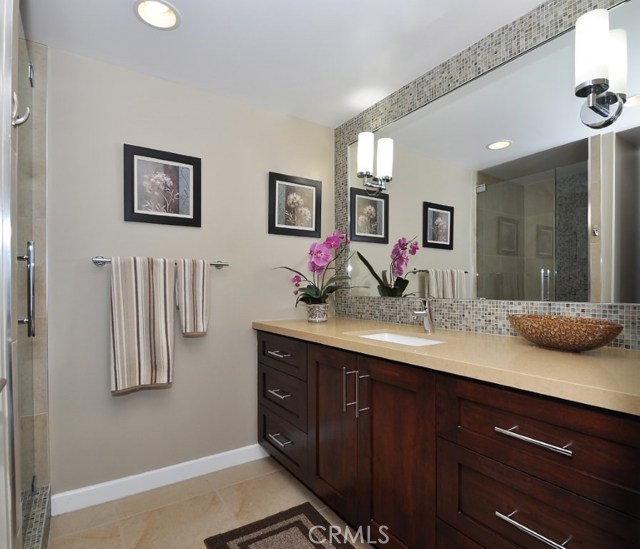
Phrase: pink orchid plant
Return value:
(321, 284)
(394, 285)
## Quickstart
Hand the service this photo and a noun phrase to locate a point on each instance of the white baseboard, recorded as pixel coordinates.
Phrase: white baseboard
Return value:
(80, 498)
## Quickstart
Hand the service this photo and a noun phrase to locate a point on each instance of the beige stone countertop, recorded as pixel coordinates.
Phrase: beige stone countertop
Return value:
(608, 378)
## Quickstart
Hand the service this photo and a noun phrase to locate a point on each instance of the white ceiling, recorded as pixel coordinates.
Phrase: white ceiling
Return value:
(322, 62)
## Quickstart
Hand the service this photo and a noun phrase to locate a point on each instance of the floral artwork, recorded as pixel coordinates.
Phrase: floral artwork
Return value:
(161, 187)
(369, 216)
(437, 221)
(294, 205)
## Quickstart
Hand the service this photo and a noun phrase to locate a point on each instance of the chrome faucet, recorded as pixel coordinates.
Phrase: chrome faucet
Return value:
(429, 325)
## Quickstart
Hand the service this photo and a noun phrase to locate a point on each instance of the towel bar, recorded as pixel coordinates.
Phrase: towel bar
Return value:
(100, 261)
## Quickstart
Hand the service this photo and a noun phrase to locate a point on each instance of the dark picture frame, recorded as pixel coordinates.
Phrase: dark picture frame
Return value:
(161, 187)
(437, 226)
(508, 236)
(544, 241)
(368, 217)
(294, 205)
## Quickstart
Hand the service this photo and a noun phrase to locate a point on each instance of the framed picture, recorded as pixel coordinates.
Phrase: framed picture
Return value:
(294, 205)
(437, 226)
(368, 216)
(507, 236)
(161, 187)
(544, 241)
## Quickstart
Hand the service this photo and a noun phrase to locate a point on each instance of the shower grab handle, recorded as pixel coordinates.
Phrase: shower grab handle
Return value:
(30, 258)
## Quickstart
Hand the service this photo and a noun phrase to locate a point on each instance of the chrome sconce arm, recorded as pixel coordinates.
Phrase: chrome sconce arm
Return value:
(372, 184)
(600, 69)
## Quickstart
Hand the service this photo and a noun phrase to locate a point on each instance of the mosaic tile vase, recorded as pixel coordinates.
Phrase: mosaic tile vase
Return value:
(317, 312)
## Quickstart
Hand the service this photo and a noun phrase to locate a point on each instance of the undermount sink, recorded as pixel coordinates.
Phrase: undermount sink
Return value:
(391, 337)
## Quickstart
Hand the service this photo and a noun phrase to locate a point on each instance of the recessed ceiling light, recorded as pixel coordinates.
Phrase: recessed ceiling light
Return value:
(157, 14)
(497, 145)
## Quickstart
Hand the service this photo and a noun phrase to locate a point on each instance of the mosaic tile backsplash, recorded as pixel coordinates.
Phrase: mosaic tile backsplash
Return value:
(489, 316)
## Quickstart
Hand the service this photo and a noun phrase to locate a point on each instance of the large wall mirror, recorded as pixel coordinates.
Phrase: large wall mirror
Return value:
(525, 217)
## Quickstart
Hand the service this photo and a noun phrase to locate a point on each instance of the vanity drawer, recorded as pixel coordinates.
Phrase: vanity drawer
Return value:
(482, 497)
(286, 443)
(283, 353)
(588, 451)
(283, 394)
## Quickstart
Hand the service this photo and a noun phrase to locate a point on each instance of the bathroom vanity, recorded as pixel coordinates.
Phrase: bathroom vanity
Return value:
(477, 441)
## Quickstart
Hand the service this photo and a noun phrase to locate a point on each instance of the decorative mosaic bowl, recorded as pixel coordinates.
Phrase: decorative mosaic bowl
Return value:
(566, 333)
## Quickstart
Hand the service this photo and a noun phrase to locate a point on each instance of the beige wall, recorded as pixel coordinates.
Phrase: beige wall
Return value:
(93, 109)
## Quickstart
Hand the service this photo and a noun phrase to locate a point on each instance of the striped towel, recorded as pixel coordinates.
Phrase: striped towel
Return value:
(142, 316)
(191, 296)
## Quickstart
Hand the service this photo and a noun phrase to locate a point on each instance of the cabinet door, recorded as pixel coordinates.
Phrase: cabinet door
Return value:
(397, 454)
(333, 429)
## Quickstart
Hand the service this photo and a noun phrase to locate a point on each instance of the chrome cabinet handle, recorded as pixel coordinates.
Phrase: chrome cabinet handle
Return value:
(281, 444)
(532, 533)
(278, 393)
(344, 388)
(30, 258)
(510, 433)
(279, 354)
(15, 119)
(358, 409)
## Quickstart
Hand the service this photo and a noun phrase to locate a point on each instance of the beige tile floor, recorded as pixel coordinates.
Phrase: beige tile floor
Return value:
(182, 515)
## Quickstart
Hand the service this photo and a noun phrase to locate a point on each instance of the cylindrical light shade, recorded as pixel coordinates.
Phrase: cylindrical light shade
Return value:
(365, 152)
(618, 61)
(384, 165)
(592, 51)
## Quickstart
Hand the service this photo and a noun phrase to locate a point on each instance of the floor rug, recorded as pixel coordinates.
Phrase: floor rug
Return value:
(293, 528)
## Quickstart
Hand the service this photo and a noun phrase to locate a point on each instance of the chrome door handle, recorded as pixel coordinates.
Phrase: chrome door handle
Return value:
(278, 393)
(30, 258)
(532, 533)
(15, 119)
(358, 409)
(344, 388)
(281, 444)
(278, 354)
(558, 449)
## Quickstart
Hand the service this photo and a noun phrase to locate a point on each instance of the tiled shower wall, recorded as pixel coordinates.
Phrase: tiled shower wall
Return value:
(541, 24)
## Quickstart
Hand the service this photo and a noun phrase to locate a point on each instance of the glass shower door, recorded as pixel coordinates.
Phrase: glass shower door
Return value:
(23, 368)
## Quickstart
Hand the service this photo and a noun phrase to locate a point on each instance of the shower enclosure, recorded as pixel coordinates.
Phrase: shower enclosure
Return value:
(532, 235)
(23, 380)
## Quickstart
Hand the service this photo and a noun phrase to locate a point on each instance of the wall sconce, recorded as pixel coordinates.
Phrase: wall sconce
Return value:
(374, 184)
(601, 69)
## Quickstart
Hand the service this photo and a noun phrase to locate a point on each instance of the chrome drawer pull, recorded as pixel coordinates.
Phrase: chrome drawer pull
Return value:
(279, 354)
(276, 393)
(510, 433)
(531, 532)
(274, 439)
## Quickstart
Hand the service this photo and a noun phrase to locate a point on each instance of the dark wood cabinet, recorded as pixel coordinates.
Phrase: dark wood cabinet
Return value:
(333, 430)
(397, 450)
(514, 468)
(422, 459)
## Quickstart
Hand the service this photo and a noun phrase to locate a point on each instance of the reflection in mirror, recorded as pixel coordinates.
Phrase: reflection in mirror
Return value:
(521, 250)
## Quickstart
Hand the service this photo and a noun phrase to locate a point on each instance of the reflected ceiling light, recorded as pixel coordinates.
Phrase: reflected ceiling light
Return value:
(497, 145)
(374, 184)
(157, 14)
(600, 69)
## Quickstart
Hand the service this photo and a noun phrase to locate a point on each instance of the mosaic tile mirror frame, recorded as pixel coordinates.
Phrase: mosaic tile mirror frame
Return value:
(538, 26)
